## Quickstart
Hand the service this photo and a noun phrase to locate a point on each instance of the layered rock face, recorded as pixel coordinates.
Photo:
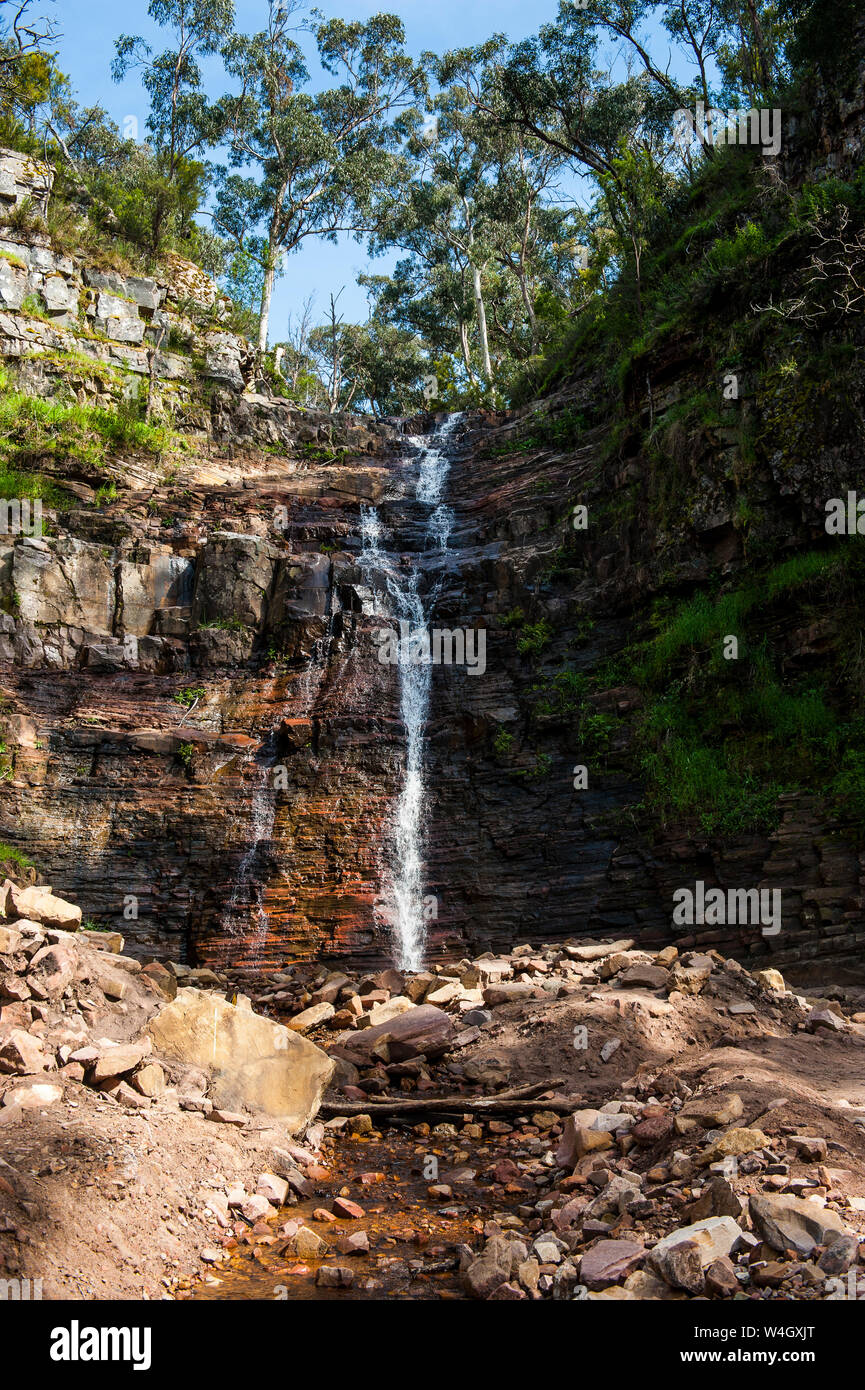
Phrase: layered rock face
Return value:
(200, 742)
(204, 749)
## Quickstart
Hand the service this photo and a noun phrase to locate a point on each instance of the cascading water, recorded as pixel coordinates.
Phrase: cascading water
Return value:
(403, 888)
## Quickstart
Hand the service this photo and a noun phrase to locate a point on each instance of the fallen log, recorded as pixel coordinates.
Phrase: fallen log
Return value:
(505, 1103)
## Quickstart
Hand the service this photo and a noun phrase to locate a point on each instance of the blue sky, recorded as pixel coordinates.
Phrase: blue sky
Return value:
(86, 48)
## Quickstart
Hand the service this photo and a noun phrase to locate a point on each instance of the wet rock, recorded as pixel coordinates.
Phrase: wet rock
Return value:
(308, 1245)
(347, 1210)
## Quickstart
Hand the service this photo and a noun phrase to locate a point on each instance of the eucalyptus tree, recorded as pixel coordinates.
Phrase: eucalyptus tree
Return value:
(26, 31)
(181, 122)
(306, 164)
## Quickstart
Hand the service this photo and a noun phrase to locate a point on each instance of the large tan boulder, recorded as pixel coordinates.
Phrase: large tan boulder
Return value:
(40, 905)
(253, 1062)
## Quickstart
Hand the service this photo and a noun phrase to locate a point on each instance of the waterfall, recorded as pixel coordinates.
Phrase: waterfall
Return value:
(403, 886)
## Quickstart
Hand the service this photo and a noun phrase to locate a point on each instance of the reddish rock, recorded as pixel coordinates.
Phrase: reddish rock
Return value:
(349, 1211)
(652, 1131)
(609, 1262)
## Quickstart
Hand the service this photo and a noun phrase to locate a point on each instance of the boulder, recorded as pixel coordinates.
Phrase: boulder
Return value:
(713, 1112)
(51, 970)
(690, 974)
(794, 1223)
(252, 1062)
(150, 1080)
(610, 1261)
(508, 992)
(490, 1269)
(643, 977)
(734, 1142)
(40, 905)
(32, 1096)
(598, 950)
(10, 940)
(118, 1061)
(311, 1017)
(682, 1256)
(22, 1054)
(383, 1013)
(421, 1030)
(772, 980)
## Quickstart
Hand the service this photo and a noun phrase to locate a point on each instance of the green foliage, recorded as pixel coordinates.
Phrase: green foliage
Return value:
(704, 620)
(719, 740)
(10, 854)
(218, 625)
(541, 767)
(188, 696)
(503, 742)
(534, 637)
(514, 618)
(540, 429)
(34, 428)
(185, 753)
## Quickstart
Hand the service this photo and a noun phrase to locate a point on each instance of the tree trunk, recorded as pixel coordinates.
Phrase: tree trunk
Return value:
(482, 324)
(464, 348)
(266, 296)
(530, 308)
